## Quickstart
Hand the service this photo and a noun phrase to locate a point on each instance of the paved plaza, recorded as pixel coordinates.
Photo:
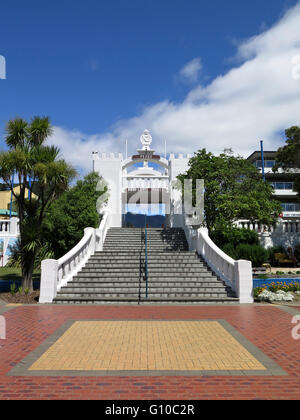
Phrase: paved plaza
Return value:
(143, 352)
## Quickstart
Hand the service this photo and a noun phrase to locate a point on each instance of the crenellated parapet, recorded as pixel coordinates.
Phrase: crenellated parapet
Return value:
(107, 156)
(180, 156)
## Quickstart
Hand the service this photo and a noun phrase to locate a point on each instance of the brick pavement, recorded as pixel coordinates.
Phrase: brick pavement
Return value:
(267, 328)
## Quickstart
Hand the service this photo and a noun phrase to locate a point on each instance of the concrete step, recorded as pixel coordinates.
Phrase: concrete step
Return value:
(137, 282)
(151, 294)
(158, 248)
(136, 264)
(151, 270)
(141, 282)
(135, 289)
(161, 255)
(151, 258)
(149, 301)
(154, 276)
(116, 275)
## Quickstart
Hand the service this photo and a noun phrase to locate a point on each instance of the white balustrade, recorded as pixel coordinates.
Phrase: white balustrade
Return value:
(9, 231)
(4, 226)
(57, 273)
(9, 226)
(236, 274)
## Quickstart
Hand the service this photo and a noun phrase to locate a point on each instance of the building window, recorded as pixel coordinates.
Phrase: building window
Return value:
(268, 164)
(283, 185)
(287, 207)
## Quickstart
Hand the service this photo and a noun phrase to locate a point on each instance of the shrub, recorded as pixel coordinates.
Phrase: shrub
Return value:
(13, 289)
(240, 244)
(254, 253)
(234, 236)
(272, 252)
(230, 250)
(279, 296)
(257, 291)
(291, 287)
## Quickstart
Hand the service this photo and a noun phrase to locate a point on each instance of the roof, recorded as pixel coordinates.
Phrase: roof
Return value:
(7, 213)
(257, 153)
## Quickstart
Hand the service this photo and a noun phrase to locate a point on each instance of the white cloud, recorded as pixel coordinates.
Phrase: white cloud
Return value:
(190, 72)
(253, 101)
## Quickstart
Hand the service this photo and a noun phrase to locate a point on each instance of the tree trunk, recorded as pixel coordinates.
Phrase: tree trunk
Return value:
(27, 272)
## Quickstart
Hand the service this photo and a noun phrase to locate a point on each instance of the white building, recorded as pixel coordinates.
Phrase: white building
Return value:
(287, 231)
(132, 184)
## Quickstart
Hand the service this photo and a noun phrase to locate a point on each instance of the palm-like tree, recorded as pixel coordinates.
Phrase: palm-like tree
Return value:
(39, 169)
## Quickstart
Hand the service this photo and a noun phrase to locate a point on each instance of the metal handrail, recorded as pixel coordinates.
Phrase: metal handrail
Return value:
(141, 267)
(146, 259)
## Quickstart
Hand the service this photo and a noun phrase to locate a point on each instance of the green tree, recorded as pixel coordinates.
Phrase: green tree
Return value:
(38, 169)
(288, 157)
(234, 190)
(73, 211)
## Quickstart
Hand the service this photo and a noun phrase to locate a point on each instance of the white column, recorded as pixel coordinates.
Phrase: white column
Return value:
(14, 226)
(244, 281)
(48, 281)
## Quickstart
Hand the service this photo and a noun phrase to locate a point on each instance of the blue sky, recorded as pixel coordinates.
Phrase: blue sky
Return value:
(105, 70)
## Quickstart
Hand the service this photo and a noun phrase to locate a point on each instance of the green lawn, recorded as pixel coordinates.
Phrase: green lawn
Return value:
(15, 274)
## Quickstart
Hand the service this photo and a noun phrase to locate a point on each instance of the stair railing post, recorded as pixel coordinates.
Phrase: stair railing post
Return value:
(146, 258)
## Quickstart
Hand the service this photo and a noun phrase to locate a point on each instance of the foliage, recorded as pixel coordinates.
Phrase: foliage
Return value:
(275, 287)
(15, 259)
(234, 236)
(271, 254)
(230, 250)
(71, 213)
(264, 276)
(13, 289)
(257, 291)
(234, 190)
(288, 157)
(38, 169)
(286, 287)
(279, 296)
(254, 253)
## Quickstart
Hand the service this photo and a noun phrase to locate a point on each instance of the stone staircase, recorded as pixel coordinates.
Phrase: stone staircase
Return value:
(117, 274)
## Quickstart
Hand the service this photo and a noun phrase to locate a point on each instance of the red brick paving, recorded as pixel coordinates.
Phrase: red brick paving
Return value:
(267, 327)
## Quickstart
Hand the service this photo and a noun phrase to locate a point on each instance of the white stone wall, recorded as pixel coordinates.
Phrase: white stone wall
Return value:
(110, 168)
(177, 165)
(9, 232)
(286, 233)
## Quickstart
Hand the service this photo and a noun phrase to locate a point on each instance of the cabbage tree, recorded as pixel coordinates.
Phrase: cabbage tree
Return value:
(40, 171)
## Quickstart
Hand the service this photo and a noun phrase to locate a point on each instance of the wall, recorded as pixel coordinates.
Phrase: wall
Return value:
(177, 165)
(286, 233)
(5, 198)
(9, 232)
(110, 168)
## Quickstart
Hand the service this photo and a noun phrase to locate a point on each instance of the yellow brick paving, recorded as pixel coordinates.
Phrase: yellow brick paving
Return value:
(146, 345)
